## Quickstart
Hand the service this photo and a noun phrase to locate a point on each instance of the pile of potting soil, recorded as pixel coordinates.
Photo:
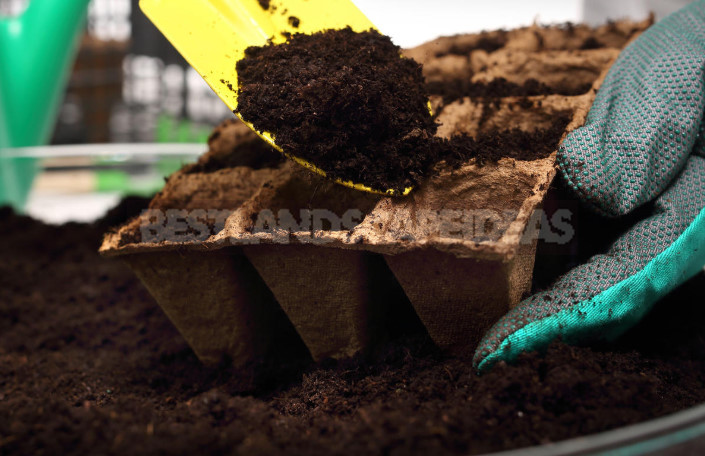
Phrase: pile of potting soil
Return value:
(89, 364)
(345, 101)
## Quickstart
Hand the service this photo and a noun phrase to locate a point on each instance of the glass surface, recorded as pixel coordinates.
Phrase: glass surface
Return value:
(81, 182)
(677, 434)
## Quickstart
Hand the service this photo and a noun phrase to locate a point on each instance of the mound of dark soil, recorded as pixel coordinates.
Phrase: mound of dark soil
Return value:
(89, 364)
(345, 101)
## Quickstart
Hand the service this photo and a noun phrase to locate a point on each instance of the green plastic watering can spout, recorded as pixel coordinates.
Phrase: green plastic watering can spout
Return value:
(36, 54)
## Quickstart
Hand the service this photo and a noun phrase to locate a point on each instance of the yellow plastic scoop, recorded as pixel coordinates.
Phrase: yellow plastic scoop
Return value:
(212, 36)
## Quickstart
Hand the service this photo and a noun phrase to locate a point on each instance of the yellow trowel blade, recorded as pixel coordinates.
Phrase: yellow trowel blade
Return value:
(212, 36)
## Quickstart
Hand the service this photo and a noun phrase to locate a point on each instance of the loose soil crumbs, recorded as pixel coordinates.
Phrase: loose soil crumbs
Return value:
(459, 88)
(253, 153)
(89, 364)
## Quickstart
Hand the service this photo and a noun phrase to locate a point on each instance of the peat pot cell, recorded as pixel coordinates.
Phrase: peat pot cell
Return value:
(220, 305)
(340, 301)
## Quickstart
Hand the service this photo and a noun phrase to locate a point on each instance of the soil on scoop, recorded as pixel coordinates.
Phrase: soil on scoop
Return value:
(89, 364)
(345, 101)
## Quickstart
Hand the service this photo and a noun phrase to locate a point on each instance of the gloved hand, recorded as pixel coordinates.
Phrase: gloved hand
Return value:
(642, 142)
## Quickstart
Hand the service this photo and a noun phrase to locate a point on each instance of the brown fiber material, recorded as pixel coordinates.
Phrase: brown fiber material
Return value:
(461, 246)
(234, 316)
(325, 293)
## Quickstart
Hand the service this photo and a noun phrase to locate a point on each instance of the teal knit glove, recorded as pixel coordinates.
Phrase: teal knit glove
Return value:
(642, 142)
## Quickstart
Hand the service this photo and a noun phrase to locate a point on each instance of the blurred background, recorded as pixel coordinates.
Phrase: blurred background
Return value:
(128, 85)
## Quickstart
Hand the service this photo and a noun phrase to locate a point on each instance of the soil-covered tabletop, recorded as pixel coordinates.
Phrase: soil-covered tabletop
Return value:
(89, 364)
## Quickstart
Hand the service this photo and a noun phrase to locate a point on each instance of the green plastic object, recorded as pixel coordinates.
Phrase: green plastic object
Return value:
(36, 54)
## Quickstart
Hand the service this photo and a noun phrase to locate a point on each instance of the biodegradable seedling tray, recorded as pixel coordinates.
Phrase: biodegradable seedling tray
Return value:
(249, 255)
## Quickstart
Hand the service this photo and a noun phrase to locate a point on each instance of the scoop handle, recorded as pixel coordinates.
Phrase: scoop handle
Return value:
(212, 35)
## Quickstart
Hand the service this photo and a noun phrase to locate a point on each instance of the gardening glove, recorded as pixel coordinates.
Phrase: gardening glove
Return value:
(642, 143)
